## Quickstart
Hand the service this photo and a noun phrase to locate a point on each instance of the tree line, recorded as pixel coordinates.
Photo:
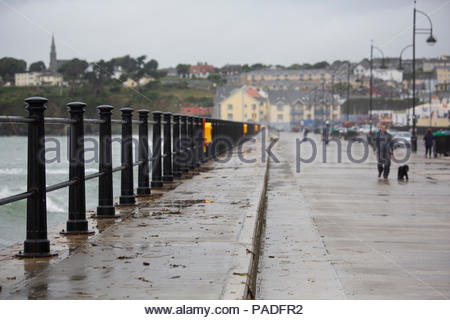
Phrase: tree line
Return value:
(78, 69)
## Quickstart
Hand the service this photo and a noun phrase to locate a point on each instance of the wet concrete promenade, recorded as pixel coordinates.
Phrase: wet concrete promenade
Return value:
(336, 231)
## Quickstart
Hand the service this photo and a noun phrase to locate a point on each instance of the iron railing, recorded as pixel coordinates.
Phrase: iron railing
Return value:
(184, 149)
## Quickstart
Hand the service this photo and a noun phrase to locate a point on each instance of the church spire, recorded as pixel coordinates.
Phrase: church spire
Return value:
(53, 48)
(53, 65)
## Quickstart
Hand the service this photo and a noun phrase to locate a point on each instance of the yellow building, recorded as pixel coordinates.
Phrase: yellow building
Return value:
(241, 104)
(282, 109)
(130, 83)
(27, 79)
(443, 78)
(280, 115)
(294, 109)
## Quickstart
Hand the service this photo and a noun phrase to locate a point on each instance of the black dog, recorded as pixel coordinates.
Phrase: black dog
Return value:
(403, 172)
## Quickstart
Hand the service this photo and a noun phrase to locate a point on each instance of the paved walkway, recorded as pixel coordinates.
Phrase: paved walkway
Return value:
(336, 231)
(191, 243)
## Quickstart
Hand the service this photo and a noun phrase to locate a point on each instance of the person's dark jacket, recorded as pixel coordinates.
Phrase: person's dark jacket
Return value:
(428, 138)
(384, 146)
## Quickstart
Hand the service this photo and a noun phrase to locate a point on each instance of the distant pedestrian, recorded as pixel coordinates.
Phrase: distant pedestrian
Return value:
(428, 140)
(383, 150)
(325, 133)
(305, 133)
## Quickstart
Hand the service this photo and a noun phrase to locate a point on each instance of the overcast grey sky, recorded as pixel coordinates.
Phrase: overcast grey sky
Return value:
(218, 31)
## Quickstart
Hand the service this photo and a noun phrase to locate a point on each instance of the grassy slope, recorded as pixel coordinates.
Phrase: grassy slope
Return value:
(167, 99)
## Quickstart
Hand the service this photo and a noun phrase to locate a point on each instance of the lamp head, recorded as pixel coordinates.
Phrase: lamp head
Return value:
(431, 40)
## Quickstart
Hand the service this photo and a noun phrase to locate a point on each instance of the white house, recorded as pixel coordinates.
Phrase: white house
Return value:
(386, 74)
(363, 69)
(436, 110)
(117, 72)
(399, 118)
(360, 70)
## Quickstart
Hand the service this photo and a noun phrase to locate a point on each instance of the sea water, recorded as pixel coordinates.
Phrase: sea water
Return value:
(13, 180)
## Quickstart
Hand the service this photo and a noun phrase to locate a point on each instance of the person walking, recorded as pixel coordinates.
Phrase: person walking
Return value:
(428, 140)
(383, 150)
(325, 133)
(305, 133)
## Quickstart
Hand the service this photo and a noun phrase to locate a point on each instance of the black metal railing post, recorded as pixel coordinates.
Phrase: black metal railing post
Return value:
(220, 135)
(176, 147)
(156, 154)
(230, 129)
(184, 141)
(226, 134)
(191, 137)
(127, 196)
(195, 151)
(222, 125)
(36, 243)
(231, 132)
(239, 129)
(167, 160)
(77, 223)
(204, 146)
(199, 141)
(143, 170)
(212, 149)
(208, 149)
(105, 208)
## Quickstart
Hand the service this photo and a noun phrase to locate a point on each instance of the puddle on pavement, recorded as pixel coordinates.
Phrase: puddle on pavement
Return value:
(168, 207)
(440, 163)
(186, 192)
(181, 203)
(38, 291)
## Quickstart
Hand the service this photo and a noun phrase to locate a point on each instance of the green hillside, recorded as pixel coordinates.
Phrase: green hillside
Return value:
(153, 97)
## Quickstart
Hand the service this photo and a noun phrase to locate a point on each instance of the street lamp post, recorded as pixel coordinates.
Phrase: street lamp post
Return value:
(400, 67)
(431, 40)
(371, 82)
(348, 92)
(332, 98)
(348, 65)
(315, 108)
(323, 104)
(429, 99)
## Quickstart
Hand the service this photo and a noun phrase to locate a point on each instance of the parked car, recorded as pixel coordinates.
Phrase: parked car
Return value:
(350, 133)
(364, 130)
(401, 138)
